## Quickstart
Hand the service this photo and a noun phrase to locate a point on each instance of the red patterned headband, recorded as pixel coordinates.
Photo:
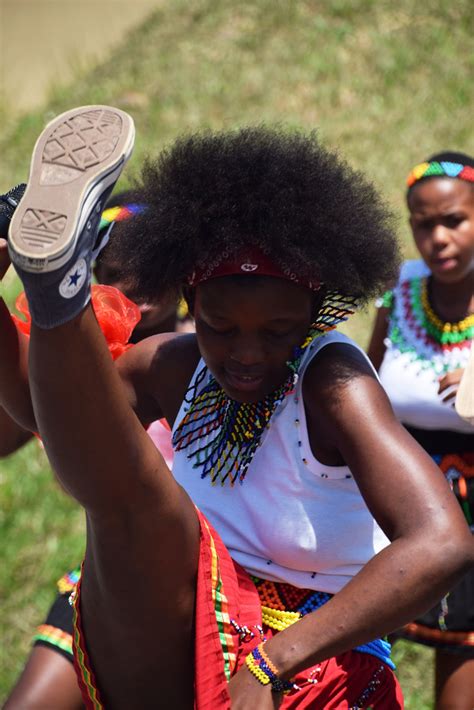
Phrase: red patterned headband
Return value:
(249, 261)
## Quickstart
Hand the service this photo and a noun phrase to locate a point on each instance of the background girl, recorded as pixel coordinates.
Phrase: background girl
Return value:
(421, 344)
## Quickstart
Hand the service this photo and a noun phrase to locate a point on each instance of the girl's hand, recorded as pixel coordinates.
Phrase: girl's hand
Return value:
(449, 385)
(4, 257)
(246, 693)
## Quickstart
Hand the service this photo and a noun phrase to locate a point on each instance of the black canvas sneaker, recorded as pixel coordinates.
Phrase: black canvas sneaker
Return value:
(53, 232)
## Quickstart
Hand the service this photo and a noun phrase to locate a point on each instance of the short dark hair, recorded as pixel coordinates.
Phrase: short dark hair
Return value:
(210, 193)
(450, 156)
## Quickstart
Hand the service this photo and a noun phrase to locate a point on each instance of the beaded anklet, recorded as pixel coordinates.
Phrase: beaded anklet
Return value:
(261, 667)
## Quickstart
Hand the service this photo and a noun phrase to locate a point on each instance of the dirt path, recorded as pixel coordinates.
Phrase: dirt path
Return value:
(42, 41)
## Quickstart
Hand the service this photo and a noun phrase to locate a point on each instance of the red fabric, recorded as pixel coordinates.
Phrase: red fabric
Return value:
(82, 665)
(341, 683)
(243, 607)
(115, 313)
(250, 260)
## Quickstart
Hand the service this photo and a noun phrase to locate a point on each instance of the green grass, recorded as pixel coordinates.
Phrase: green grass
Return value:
(42, 532)
(385, 82)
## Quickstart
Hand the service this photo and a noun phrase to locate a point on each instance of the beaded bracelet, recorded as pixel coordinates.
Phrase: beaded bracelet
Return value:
(265, 671)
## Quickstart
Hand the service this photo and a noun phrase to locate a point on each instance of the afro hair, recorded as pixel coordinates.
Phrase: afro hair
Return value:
(212, 193)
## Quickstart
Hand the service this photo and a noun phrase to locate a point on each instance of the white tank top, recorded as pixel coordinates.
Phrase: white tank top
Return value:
(413, 362)
(293, 519)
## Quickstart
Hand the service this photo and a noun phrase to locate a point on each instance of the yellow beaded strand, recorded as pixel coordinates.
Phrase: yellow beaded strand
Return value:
(278, 619)
(447, 327)
(255, 670)
(262, 668)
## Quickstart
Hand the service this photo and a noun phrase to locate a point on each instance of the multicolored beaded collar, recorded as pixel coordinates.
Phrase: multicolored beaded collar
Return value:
(221, 435)
(417, 333)
(440, 169)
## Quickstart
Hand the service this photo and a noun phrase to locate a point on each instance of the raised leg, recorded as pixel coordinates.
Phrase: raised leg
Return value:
(138, 587)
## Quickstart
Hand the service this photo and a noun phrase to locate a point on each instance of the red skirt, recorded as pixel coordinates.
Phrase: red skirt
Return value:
(229, 625)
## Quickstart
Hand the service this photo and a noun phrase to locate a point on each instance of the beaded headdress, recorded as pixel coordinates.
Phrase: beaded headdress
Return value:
(442, 168)
(220, 435)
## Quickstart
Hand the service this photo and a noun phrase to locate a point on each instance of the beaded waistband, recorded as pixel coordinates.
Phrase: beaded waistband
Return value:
(283, 605)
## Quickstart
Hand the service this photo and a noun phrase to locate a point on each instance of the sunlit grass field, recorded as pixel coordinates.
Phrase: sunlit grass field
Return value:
(387, 83)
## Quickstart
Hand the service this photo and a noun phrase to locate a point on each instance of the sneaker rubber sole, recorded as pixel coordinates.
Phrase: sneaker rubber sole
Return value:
(77, 156)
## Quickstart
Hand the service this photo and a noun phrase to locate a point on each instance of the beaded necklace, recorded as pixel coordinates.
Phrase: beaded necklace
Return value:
(444, 332)
(409, 330)
(220, 434)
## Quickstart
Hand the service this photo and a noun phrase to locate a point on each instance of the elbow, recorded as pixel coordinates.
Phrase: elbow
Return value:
(449, 537)
(457, 551)
(468, 552)
(443, 547)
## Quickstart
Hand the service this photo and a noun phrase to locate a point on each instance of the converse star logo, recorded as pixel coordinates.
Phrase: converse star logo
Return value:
(74, 279)
(248, 267)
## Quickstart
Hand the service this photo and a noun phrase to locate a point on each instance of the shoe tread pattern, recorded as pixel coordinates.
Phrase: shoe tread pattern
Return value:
(79, 154)
(84, 140)
(41, 228)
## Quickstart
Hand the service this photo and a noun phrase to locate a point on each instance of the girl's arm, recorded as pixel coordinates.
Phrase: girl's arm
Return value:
(15, 396)
(431, 547)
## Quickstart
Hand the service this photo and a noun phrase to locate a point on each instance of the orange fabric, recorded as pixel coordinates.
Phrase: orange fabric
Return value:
(115, 313)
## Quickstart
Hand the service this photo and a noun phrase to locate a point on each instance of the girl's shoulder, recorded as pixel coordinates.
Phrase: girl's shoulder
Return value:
(168, 350)
(334, 346)
(158, 370)
(332, 363)
(340, 387)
